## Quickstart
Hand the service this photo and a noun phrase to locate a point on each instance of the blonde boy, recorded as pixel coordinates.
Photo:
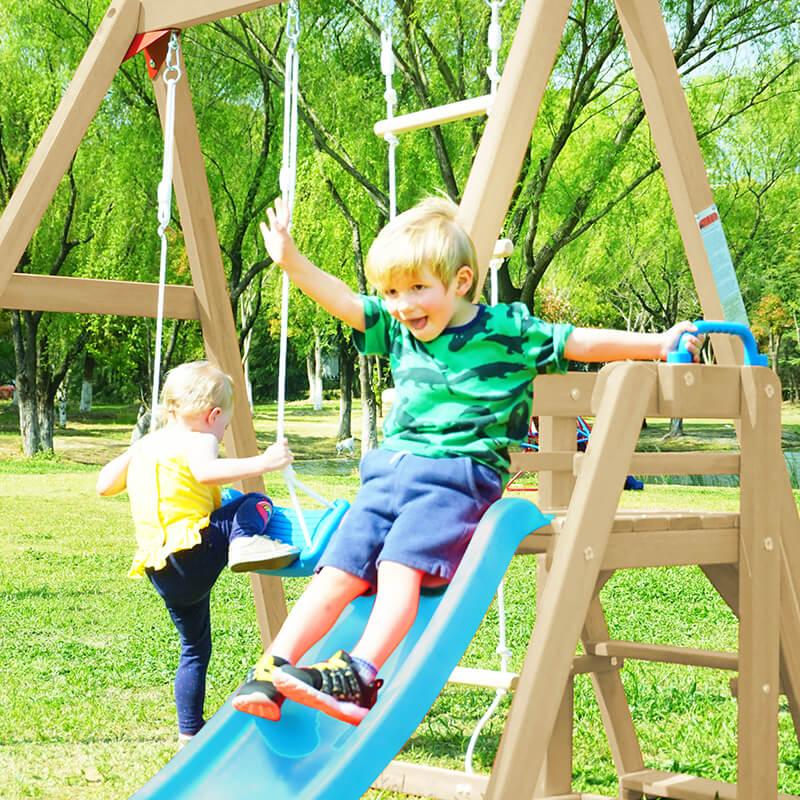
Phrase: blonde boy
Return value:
(462, 373)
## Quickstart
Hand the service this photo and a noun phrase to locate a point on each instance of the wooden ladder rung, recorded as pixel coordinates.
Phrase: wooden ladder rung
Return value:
(675, 786)
(484, 678)
(666, 654)
(428, 117)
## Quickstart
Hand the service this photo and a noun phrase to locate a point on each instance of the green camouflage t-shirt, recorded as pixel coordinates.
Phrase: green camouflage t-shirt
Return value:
(469, 391)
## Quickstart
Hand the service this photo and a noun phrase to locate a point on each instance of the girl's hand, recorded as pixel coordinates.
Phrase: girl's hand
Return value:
(670, 339)
(277, 239)
(277, 456)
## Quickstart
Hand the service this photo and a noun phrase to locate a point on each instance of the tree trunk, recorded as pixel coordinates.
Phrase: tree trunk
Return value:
(315, 373)
(675, 428)
(61, 395)
(88, 384)
(23, 328)
(345, 389)
(47, 415)
(369, 416)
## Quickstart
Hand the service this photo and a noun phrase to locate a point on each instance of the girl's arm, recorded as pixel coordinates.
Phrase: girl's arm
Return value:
(333, 294)
(207, 468)
(113, 478)
(602, 344)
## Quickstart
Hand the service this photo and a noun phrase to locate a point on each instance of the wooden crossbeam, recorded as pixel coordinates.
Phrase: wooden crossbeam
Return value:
(95, 296)
(158, 14)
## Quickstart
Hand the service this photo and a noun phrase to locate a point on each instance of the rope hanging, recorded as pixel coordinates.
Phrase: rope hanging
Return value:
(288, 180)
(390, 96)
(494, 40)
(172, 74)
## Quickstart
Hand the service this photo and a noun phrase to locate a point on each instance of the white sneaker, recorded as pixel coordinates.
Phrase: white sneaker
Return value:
(248, 553)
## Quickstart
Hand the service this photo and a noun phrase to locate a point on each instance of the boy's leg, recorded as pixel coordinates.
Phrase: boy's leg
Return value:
(243, 521)
(337, 686)
(311, 617)
(393, 614)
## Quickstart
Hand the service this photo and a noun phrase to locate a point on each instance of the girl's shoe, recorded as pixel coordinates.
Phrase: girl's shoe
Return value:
(248, 553)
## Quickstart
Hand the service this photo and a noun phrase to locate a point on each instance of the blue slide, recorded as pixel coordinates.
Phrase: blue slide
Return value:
(310, 755)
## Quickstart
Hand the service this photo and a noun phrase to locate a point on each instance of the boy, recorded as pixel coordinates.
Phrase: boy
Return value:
(462, 374)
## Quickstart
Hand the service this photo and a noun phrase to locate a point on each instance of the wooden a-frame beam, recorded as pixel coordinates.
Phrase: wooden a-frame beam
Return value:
(216, 316)
(31, 292)
(54, 152)
(507, 135)
(675, 139)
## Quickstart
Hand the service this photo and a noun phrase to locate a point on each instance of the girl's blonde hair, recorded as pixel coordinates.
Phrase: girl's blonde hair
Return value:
(427, 236)
(195, 387)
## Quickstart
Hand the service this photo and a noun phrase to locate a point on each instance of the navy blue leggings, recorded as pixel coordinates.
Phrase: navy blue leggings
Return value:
(185, 584)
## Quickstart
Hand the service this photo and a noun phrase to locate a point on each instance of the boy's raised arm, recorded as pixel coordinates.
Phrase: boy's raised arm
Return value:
(333, 294)
(603, 344)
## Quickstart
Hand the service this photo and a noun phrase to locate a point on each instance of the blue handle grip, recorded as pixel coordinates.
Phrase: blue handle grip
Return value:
(680, 355)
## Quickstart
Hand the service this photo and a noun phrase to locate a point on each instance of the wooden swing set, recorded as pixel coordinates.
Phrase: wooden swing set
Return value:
(751, 557)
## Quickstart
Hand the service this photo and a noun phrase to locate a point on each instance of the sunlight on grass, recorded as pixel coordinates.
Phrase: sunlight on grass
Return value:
(88, 655)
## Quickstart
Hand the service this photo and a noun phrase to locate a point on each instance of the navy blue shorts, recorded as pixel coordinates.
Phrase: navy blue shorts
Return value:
(413, 510)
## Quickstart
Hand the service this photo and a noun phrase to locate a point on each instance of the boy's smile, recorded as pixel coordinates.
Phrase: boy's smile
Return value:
(426, 306)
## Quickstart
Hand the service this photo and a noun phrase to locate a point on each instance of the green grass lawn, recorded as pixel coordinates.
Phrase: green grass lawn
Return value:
(88, 655)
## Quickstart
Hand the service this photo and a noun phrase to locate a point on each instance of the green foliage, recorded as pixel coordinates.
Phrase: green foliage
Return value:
(590, 216)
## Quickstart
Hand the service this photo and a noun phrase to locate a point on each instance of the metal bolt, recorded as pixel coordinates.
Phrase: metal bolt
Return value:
(588, 554)
(768, 543)
(688, 378)
(575, 394)
(770, 390)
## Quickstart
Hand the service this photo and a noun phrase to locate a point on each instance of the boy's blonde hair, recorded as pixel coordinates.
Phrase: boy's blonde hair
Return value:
(426, 236)
(195, 387)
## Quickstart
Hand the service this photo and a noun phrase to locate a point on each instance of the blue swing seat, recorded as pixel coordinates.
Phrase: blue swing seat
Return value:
(321, 523)
(285, 526)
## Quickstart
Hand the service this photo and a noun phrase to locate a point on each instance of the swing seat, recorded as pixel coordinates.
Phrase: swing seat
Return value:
(321, 523)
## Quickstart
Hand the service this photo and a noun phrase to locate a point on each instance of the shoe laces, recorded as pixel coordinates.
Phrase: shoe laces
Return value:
(265, 666)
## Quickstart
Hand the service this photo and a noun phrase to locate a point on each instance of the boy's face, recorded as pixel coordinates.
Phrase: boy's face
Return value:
(426, 306)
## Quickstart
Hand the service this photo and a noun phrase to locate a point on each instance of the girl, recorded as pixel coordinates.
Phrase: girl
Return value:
(184, 535)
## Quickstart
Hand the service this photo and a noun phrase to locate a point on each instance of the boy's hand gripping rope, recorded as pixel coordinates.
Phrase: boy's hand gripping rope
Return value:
(288, 180)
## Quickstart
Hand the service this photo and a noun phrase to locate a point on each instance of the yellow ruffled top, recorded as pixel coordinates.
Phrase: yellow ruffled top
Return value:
(169, 507)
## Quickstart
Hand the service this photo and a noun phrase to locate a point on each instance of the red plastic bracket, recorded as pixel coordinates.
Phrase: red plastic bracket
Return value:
(154, 46)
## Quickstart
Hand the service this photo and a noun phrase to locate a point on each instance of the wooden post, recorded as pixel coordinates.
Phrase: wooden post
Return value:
(54, 152)
(676, 143)
(611, 698)
(571, 582)
(216, 316)
(759, 584)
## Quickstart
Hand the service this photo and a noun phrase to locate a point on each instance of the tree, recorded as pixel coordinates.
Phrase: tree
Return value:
(771, 320)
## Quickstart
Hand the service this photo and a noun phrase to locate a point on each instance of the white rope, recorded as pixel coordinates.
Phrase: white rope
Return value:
(172, 74)
(288, 181)
(494, 40)
(502, 647)
(390, 96)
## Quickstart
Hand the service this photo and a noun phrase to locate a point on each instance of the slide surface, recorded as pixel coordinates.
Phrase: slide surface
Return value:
(310, 755)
